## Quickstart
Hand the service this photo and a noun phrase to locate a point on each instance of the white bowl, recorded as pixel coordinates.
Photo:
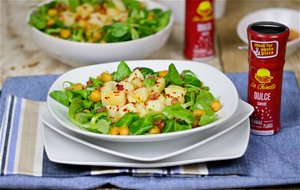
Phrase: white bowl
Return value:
(220, 86)
(78, 53)
(289, 17)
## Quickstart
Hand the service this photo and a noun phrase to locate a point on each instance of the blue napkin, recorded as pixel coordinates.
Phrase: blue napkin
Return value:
(269, 160)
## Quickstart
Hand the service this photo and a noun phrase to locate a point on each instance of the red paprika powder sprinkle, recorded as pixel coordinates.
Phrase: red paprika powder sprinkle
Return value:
(266, 55)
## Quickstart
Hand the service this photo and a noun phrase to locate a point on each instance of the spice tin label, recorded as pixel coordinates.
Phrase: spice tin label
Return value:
(262, 50)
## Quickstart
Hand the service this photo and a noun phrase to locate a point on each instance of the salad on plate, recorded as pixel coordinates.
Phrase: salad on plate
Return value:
(139, 101)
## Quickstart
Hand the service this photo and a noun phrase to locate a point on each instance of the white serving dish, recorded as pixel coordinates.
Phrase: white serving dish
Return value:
(289, 17)
(215, 79)
(79, 54)
(66, 151)
(152, 151)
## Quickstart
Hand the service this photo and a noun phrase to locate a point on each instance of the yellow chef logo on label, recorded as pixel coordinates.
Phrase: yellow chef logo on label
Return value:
(263, 75)
(204, 12)
(204, 8)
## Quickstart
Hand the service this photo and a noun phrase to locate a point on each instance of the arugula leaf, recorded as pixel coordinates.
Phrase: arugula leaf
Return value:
(134, 34)
(178, 112)
(123, 71)
(53, 30)
(203, 101)
(206, 119)
(146, 71)
(97, 116)
(174, 76)
(127, 119)
(119, 29)
(60, 96)
(38, 18)
(173, 126)
(190, 78)
(141, 126)
(149, 82)
(83, 117)
(132, 4)
(164, 20)
(86, 104)
(84, 93)
(169, 126)
(182, 127)
(95, 83)
(75, 105)
(74, 4)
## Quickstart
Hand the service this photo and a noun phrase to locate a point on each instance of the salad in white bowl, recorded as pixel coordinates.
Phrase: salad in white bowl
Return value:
(133, 101)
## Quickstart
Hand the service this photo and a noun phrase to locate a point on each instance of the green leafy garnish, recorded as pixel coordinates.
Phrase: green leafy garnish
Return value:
(122, 71)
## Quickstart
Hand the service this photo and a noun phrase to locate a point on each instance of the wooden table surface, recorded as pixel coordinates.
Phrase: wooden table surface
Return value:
(19, 56)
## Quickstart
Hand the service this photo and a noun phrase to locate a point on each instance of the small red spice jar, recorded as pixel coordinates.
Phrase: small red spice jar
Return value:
(266, 55)
(199, 30)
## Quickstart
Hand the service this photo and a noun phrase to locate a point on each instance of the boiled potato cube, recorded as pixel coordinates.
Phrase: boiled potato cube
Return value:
(159, 85)
(139, 95)
(108, 87)
(155, 105)
(127, 108)
(114, 98)
(136, 78)
(127, 86)
(119, 5)
(113, 113)
(174, 94)
(141, 109)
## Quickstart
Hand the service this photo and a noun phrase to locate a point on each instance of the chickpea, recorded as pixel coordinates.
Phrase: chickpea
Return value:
(96, 36)
(51, 22)
(52, 12)
(78, 86)
(199, 112)
(95, 96)
(82, 23)
(216, 105)
(154, 130)
(88, 32)
(150, 17)
(65, 33)
(162, 73)
(105, 77)
(124, 130)
(114, 130)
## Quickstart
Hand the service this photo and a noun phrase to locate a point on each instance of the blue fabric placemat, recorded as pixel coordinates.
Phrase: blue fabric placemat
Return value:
(270, 160)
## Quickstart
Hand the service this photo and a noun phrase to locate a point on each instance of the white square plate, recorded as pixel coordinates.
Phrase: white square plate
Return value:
(152, 151)
(228, 146)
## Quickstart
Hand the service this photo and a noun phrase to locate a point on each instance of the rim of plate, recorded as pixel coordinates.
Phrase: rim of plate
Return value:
(144, 138)
(243, 21)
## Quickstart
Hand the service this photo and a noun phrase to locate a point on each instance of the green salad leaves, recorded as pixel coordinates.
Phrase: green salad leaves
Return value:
(99, 21)
(183, 102)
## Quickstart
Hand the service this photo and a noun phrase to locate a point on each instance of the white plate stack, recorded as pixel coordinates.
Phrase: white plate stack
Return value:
(226, 138)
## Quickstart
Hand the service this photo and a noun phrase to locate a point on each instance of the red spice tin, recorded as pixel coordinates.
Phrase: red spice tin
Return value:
(199, 30)
(267, 46)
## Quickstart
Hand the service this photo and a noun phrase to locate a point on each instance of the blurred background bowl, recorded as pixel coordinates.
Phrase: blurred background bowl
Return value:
(289, 17)
(79, 53)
